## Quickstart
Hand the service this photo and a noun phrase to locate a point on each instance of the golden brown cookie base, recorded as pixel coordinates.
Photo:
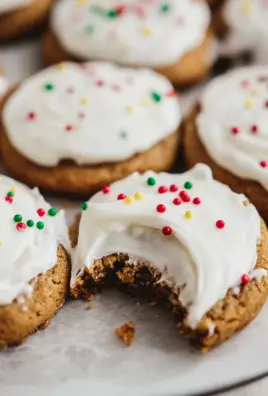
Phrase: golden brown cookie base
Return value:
(195, 152)
(15, 23)
(228, 316)
(192, 68)
(19, 320)
(69, 178)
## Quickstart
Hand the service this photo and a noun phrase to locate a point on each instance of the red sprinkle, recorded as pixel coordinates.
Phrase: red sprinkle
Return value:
(100, 83)
(254, 128)
(167, 230)
(245, 279)
(176, 201)
(162, 189)
(266, 103)
(121, 196)
(235, 130)
(263, 164)
(9, 199)
(184, 196)
(161, 208)
(31, 116)
(81, 115)
(70, 90)
(21, 226)
(197, 201)
(106, 190)
(173, 188)
(41, 212)
(120, 9)
(220, 224)
(68, 127)
(171, 93)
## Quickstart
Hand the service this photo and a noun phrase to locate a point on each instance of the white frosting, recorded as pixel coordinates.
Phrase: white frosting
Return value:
(3, 85)
(237, 100)
(208, 260)
(110, 110)
(11, 5)
(142, 35)
(248, 27)
(25, 254)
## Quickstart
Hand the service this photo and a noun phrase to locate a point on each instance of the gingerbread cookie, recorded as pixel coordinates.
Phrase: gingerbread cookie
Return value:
(185, 240)
(171, 37)
(34, 266)
(18, 17)
(73, 128)
(229, 132)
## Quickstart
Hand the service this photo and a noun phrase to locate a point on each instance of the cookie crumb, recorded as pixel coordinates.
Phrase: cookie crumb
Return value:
(126, 332)
(90, 306)
(45, 325)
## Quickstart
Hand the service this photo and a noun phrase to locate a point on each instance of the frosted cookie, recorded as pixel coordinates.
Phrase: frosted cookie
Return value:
(229, 132)
(18, 17)
(34, 267)
(74, 128)
(185, 240)
(170, 36)
(244, 23)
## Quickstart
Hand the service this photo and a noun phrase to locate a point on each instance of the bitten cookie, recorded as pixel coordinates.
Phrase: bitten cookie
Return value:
(18, 17)
(246, 29)
(74, 128)
(171, 37)
(229, 133)
(34, 266)
(183, 240)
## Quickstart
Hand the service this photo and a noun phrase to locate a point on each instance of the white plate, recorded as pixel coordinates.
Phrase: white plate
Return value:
(79, 354)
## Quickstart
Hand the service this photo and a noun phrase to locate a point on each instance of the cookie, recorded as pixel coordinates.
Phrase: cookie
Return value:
(173, 38)
(229, 133)
(18, 17)
(3, 86)
(74, 128)
(186, 241)
(34, 266)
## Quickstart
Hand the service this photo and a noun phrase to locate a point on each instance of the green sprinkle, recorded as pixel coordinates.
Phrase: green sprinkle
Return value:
(40, 225)
(165, 8)
(156, 97)
(30, 223)
(188, 185)
(98, 10)
(151, 181)
(17, 218)
(10, 194)
(52, 212)
(123, 135)
(84, 206)
(112, 14)
(49, 87)
(89, 29)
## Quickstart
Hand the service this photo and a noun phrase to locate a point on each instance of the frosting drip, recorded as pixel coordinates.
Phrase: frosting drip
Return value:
(204, 237)
(11, 5)
(141, 32)
(28, 240)
(233, 123)
(90, 113)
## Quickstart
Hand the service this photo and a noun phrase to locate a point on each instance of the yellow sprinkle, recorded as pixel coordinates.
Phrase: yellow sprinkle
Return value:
(138, 196)
(83, 101)
(129, 200)
(90, 306)
(1, 243)
(188, 214)
(82, 2)
(145, 102)
(146, 31)
(13, 189)
(62, 66)
(130, 109)
(254, 92)
(246, 7)
(248, 104)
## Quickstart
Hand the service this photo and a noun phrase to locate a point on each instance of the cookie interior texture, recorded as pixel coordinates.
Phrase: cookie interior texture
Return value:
(195, 152)
(193, 67)
(141, 279)
(15, 23)
(20, 319)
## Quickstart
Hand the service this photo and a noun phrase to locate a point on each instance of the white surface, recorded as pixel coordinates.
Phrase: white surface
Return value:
(79, 355)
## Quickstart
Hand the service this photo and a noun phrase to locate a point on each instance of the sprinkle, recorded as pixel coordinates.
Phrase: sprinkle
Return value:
(120, 9)
(69, 127)
(123, 135)
(129, 200)
(81, 115)
(100, 83)
(188, 185)
(52, 212)
(17, 218)
(235, 130)
(121, 196)
(196, 201)
(41, 212)
(130, 109)
(220, 224)
(173, 188)
(112, 14)
(266, 103)
(165, 8)
(151, 181)
(30, 223)
(248, 104)
(106, 190)
(244, 83)
(84, 206)
(61, 66)
(13, 190)
(9, 199)
(245, 279)
(263, 164)
(40, 225)
(161, 208)
(146, 31)
(116, 88)
(167, 230)
(31, 115)
(21, 227)
(254, 92)
(83, 101)
(188, 214)
(254, 128)
(171, 93)
(49, 87)
(70, 90)
(156, 97)
(176, 201)
(90, 29)
(184, 196)
(162, 189)
(138, 196)
(10, 194)
(1, 243)
(145, 102)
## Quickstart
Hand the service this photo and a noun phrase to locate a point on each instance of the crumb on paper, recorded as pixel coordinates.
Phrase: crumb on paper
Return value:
(90, 306)
(45, 325)
(126, 332)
